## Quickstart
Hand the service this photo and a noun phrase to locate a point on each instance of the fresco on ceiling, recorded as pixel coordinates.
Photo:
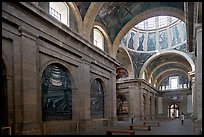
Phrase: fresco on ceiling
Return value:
(184, 29)
(151, 43)
(141, 42)
(182, 48)
(176, 38)
(121, 73)
(131, 40)
(138, 60)
(169, 66)
(83, 7)
(114, 15)
(162, 59)
(163, 41)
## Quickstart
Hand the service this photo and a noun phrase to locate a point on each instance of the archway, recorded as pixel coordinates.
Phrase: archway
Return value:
(173, 111)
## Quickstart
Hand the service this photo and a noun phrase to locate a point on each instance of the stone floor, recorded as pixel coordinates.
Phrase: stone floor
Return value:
(173, 127)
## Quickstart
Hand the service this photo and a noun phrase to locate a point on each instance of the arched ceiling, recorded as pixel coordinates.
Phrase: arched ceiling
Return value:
(167, 64)
(115, 15)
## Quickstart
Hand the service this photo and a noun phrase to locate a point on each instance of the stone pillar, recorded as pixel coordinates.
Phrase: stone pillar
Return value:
(112, 97)
(83, 105)
(134, 102)
(198, 78)
(29, 62)
(148, 105)
(192, 86)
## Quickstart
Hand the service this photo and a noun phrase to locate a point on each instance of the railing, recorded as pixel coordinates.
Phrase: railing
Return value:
(6, 128)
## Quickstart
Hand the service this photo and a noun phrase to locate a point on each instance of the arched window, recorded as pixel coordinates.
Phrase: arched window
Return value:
(98, 39)
(56, 93)
(60, 11)
(97, 99)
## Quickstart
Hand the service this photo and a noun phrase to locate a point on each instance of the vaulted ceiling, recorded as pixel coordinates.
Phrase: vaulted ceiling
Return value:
(115, 15)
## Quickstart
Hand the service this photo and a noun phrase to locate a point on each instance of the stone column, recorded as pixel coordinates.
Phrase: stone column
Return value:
(83, 105)
(134, 102)
(30, 87)
(198, 78)
(112, 97)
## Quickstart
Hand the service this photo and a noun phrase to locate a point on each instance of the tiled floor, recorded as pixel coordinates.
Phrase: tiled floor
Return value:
(173, 127)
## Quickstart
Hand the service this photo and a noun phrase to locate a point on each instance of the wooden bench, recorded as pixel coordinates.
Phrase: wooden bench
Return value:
(147, 127)
(152, 123)
(130, 132)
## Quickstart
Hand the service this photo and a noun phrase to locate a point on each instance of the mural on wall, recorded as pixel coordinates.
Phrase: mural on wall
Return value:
(184, 29)
(182, 48)
(141, 42)
(131, 41)
(151, 43)
(121, 73)
(176, 38)
(122, 105)
(163, 41)
(56, 93)
(97, 99)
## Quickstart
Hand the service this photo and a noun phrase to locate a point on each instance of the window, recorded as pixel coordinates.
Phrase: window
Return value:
(98, 39)
(60, 11)
(173, 82)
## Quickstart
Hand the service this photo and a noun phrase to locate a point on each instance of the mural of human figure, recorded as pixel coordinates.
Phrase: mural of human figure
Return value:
(130, 43)
(141, 39)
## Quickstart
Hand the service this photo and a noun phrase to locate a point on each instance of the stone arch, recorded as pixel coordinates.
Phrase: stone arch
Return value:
(89, 18)
(77, 16)
(74, 86)
(56, 93)
(169, 11)
(125, 61)
(153, 57)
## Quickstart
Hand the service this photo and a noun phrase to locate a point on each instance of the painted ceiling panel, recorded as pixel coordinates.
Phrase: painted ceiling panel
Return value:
(83, 7)
(165, 58)
(170, 66)
(114, 15)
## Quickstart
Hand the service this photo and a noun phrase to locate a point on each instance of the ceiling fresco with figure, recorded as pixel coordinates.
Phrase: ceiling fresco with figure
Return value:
(115, 15)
